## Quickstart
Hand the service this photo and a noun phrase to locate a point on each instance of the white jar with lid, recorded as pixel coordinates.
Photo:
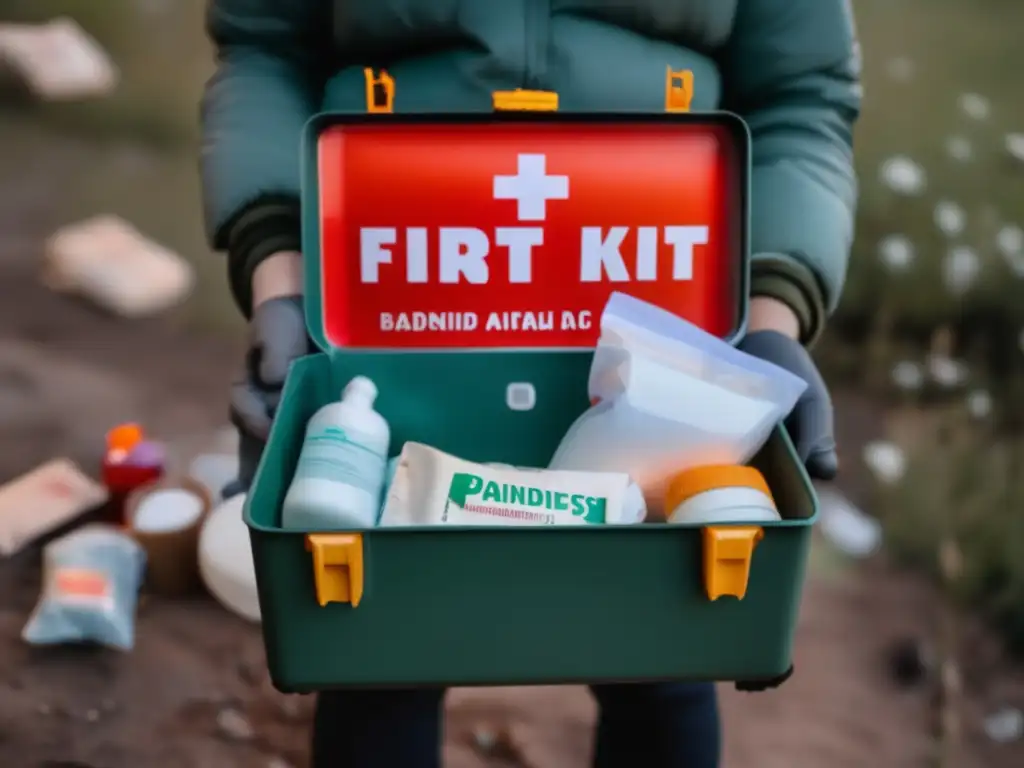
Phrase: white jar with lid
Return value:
(722, 493)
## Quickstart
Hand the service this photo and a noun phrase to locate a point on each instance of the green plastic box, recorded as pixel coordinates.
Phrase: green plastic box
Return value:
(502, 606)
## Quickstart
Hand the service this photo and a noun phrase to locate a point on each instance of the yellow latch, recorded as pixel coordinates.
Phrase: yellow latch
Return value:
(380, 92)
(337, 567)
(728, 551)
(678, 90)
(525, 101)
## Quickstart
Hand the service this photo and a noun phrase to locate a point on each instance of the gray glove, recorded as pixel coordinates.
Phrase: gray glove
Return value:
(811, 422)
(277, 337)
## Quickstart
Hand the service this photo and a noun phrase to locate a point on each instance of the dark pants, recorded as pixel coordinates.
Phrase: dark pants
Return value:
(664, 725)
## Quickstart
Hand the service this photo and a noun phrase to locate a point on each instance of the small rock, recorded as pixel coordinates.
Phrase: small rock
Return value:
(484, 739)
(278, 762)
(291, 707)
(1005, 725)
(234, 725)
(911, 662)
(92, 716)
(44, 709)
(250, 674)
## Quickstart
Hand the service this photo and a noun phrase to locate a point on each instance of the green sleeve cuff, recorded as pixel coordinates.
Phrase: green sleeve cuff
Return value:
(268, 226)
(781, 277)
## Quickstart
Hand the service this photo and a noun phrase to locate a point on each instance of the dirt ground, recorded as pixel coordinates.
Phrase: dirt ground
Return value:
(193, 694)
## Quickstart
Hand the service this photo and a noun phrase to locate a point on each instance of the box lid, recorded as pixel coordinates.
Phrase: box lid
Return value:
(510, 231)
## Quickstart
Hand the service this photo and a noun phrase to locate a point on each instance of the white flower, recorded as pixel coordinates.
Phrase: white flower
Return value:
(959, 148)
(946, 372)
(979, 404)
(908, 375)
(887, 461)
(903, 175)
(846, 527)
(975, 106)
(1010, 240)
(896, 252)
(1015, 145)
(1010, 244)
(901, 68)
(950, 218)
(960, 269)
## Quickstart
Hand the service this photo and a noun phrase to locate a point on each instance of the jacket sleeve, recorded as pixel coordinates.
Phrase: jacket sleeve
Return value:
(270, 69)
(792, 70)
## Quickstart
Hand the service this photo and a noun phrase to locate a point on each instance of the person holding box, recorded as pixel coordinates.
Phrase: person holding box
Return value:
(790, 68)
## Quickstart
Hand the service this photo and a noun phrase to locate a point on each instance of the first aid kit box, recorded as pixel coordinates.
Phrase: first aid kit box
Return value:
(461, 262)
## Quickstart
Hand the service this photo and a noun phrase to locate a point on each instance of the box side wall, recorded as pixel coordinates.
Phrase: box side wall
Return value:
(523, 606)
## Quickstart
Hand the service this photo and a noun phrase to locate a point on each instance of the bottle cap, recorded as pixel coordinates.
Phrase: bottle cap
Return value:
(146, 454)
(361, 389)
(124, 437)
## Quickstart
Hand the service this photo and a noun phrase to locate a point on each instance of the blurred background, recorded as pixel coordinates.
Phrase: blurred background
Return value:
(906, 656)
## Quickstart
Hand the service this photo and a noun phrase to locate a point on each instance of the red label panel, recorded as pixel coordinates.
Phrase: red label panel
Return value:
(513, 235)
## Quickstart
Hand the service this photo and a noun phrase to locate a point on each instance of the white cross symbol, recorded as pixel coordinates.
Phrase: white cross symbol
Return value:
(531, 187)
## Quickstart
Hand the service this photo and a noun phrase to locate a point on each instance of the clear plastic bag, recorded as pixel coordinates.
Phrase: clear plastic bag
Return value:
(91, 580)
(669, 396)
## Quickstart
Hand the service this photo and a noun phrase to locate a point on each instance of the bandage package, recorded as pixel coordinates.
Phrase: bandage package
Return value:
(431, 487)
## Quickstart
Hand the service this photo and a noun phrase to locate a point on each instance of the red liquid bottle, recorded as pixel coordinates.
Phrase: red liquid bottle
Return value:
(121, 473)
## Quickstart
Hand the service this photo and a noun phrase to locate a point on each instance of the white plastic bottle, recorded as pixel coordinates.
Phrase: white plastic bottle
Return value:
(340, 474)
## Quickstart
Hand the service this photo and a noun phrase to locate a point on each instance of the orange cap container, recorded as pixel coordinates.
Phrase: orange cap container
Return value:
(124, 437)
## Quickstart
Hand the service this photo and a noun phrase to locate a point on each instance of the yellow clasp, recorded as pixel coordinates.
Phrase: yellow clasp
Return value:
(728, 551)
(337, 567)
(525, 101)
(678, 90)
(380, 92)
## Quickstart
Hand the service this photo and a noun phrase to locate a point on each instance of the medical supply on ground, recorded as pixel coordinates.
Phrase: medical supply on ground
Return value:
(669, 396)
(434, 488)
(58, 60)
(728, 493)
(165, 518)
(42, 501)
(109, 262)
(340, 474)
(130, 461)
(215, 471)
(225, 559)
(90, 589)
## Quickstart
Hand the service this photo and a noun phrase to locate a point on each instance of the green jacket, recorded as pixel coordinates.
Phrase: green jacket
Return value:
(790, 68)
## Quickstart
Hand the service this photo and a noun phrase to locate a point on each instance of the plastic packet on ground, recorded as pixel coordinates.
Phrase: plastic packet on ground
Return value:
(91, 579)
(669, 396)
(434, 488)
